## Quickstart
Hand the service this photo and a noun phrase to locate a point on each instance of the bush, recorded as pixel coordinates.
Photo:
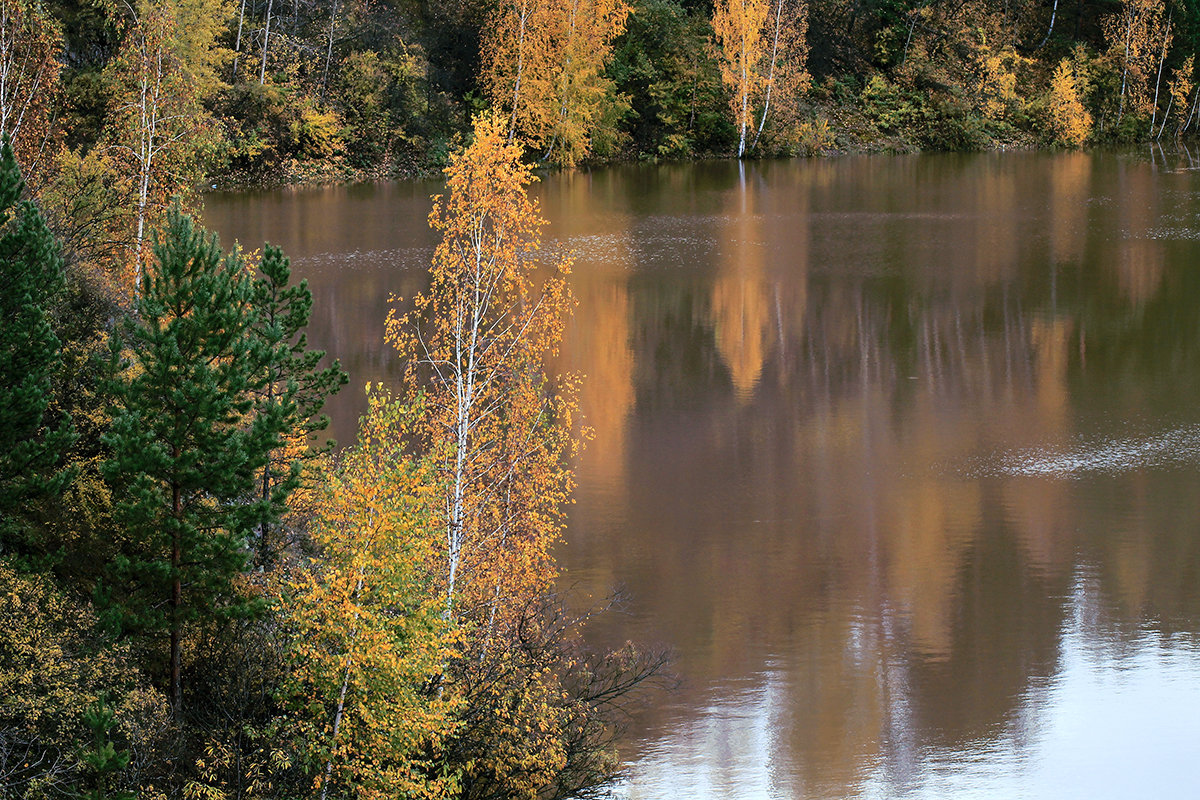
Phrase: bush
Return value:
(813, 138)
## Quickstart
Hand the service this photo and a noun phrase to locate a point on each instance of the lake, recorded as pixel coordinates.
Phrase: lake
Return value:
(901, 455)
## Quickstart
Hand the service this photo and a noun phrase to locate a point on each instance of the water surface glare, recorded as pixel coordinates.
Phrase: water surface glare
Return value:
(900, 455)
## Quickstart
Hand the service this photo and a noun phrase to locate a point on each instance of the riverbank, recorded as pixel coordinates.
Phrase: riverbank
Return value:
(835, 129)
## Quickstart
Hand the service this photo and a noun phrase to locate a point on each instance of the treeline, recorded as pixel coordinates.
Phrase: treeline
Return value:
(201, 599)
(267, 91)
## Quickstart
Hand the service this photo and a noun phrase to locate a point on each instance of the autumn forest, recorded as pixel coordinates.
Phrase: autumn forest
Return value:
(203, 597)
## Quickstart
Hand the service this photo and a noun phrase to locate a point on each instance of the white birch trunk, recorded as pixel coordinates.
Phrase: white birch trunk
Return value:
(1050, 30)
(237, 44)
(262, 70)
(1158, 80)
(523, 18)
(770, 72)
(329, 49)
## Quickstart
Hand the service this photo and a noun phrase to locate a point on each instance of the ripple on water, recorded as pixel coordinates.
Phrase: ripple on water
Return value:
(1111, 456)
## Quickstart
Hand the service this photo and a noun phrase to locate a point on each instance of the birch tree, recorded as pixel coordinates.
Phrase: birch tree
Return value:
(543, 65)
(738, 26)
(787, 74)
(30, 44)
(498, 428)
(165, 67)
(367, 627)
(1133, 32)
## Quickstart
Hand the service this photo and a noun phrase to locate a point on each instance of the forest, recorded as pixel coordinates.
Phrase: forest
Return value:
(147, 97)
(202, 596)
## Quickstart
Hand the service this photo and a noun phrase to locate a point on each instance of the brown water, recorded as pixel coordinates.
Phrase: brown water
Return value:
(901, 455)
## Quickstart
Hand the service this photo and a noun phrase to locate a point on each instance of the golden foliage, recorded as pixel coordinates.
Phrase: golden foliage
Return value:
(1069, 121)
(762, 51)
(30, 43)
(52, 667)
(996, 80)
(367, 633)
(738, 26)
(497, 428)
(164, 69)
(1135, 34)
(1181, 86)
(543, 65)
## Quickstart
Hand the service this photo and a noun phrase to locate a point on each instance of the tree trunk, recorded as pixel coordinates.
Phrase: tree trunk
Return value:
(264, 529)
(1166, 116)
(148, 113)
(523, 16)
(329, 50)
(237, 44)
(341, 704)
(1158, 80)
(176, 597)
(1192, 111)
(912, 23)
(1050, 30)
(745, 90)
(770, 73)
(262, 71)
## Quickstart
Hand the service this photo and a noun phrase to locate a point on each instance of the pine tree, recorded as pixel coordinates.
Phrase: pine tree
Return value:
(31, 276)
(293, 383)
(102, 760)
(187, 440)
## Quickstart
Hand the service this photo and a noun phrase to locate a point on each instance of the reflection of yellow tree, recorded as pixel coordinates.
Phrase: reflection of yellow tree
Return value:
(743, 318)
(1070, 179)
(997, 244)
(930, 528)
(597, 341)
(1139, 258)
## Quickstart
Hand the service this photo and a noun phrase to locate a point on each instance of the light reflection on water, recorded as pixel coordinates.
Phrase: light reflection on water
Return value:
(1107, 456)
(899, 454)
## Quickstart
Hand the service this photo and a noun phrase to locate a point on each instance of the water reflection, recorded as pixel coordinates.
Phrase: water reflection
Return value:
(899, 454)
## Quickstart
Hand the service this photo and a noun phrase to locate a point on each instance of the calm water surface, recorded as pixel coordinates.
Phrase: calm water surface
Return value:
(901, 455)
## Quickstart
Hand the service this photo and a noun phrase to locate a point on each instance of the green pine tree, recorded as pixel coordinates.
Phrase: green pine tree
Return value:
(101, 758)
(294, 383)
(31, 444)
(187, 439)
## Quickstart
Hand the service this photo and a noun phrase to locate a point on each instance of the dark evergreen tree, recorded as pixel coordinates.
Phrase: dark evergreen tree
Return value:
(294, 384)
(31, 444)
(188, 440)
(101, 759)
